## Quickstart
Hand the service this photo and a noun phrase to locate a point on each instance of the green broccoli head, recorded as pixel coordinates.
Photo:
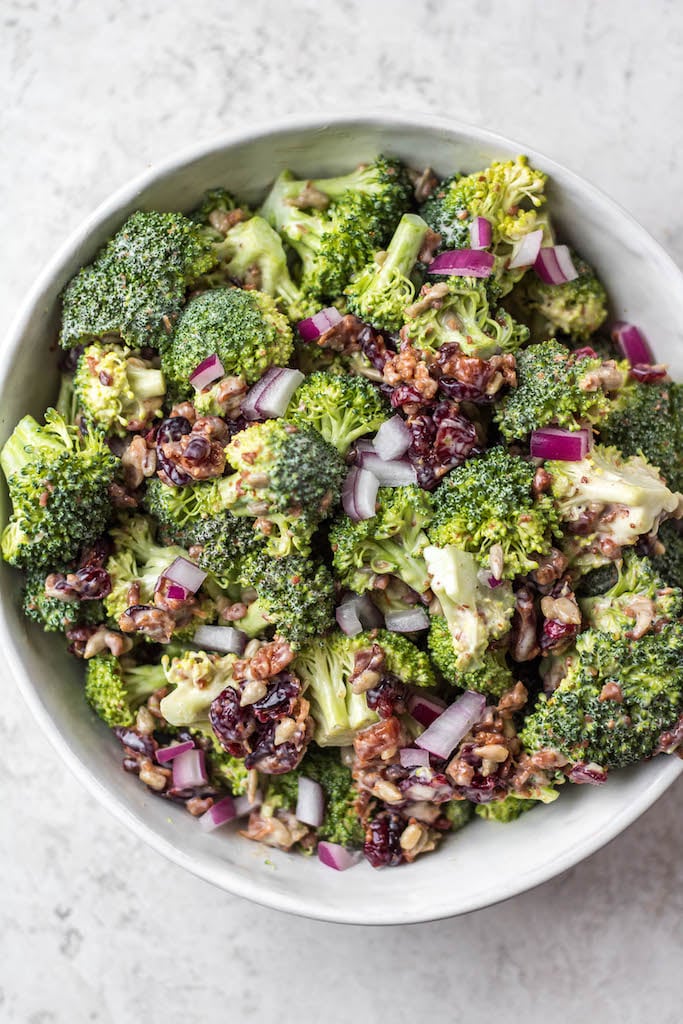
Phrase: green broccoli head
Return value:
(616, 699)
(224, 770)
(622, 499)
(295, 597)
(472, 613)
(58, 483)
(488, 502)
(53, 614)
(287, 478)
(669, 564)
(491, 673)
(341, 408)
(639, 601)
(466, 316)
(335, 225)
(215, 200)
(555, 386)
(577, 308)
(508, 809)
(227, 543)
(243, 328)
(115, 688)
(136, 286)
(458, 812)
(197, 679)
(392, 542)
(401, 657)
(380, 293)
(176, 510)
(117, 391)
(650, 422)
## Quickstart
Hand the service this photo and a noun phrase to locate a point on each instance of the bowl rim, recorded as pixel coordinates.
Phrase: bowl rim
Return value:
(219, 873)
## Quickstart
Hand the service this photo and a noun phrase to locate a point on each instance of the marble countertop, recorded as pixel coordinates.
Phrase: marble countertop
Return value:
(95, 926)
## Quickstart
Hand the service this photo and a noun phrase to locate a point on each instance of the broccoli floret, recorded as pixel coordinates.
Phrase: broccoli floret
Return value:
(458, 812)
(597, 581)
(612, 728)
(651, 423)
(491, 673)
(335, 225)
(629, 495)
(67, 403)
(489, 501)
(295, 597)
(53, 614)
(325, 667)
(137, 558)
(669, 564)
(474, 614)
(508, 809)
(507, 194)
(116, 390)
(392, 542)
(115, 688)
(223, 769)
(640, 600)
(577, 308)
(58, 483)
(381, 291)
(243, 328)
(466, 316)
(215, 200)
(286, 478)
(554, 386)
(176, 510)
(136, 286)
(227, 542)
(197, 679)
(341, 408)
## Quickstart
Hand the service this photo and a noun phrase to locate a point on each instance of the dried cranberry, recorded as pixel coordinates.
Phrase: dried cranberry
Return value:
(172, 429)
(94, 583)
(585, 353)
(383, 840)
(405, 394)
(231, 723)
(169, 473)
(279, 699)
(482, 789)
(271, 759)
(198, 450)
(646, 374)
(96, 554)
(441, 440)
(555, 633)
(464, 392)
(389, 697)
(372, 346)
(136, 741)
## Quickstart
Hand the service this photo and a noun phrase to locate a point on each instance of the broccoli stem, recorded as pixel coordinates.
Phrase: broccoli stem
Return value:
(144, 381)
(20, 447)
(404, 248)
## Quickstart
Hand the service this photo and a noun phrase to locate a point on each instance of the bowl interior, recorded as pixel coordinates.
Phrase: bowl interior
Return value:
(487, 862)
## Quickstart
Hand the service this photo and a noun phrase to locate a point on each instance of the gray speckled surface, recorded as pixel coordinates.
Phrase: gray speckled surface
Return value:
(93, 925)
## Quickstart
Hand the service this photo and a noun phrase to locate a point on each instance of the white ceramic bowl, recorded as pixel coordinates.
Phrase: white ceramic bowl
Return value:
(487, 862)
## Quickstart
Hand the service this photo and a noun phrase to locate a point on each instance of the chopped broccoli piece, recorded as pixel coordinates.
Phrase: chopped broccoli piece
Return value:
(340, 408)
(639, 601)
(286, 478)
(577, 309)
(556, 387)
(335, 225)
(136, 286)
(58, 483)
(465, 316)
(473, 614)
(491, 674)
(392, 542)
(669, 564)
(381, 291)
(508, 809)
(215, 200)
(651, 423)
(611, 728)
(223, 769)
(489, 501)
(458, 812)
(197, 679)
(116, 390)
(115, 688)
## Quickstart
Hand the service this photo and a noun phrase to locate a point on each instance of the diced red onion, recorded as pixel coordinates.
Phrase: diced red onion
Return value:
(554, 265)
(494, 582)
(463, 263)
(271, 395)
(189, 770)
(425, 710)
(333, 855)
(631, 342)
(310, 802)
(207, 372)
(526, 250)
(445, 732)
(165, 754)
(217, 815)
(359, 494)
(480, 233)
(358, 613)
(316, 325)
(243, 805)
(225, 639)
(393, 438)
(396, 473)
(560, 444)
(185, 573)
(177, 593)
(413, 620)
(413, 757)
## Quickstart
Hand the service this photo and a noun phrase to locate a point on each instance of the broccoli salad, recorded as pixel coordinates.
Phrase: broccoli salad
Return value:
(362, 517)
